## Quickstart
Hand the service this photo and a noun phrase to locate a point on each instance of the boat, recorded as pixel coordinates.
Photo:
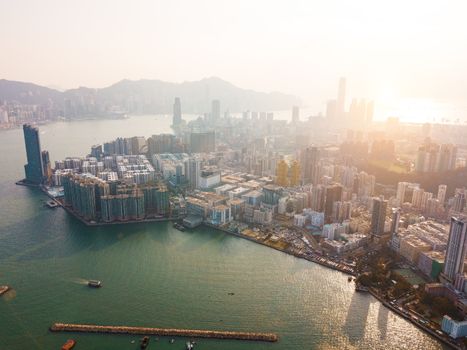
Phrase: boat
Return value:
(70, 344)
(4, 289)
(179, 226)
(172, 341)
(189, 345)
(51, 204)
(144, 342)
(94, 283)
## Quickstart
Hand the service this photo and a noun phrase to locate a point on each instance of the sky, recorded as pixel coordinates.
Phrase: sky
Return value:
(390, 51)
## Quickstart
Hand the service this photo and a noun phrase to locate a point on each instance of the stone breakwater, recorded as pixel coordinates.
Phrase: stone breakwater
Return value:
(173, 332)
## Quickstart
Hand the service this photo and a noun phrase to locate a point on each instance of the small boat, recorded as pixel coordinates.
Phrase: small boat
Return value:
(144, 342)
(51, 204)
(179, 226)
(172, 341)
(70, 343)
(94, 283)
(4, 289)
(189, 345)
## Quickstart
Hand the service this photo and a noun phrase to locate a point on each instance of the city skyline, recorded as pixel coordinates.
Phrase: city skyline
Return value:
(310, 44)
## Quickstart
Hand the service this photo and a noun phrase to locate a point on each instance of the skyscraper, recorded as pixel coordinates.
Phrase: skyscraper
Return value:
(442, 189)
(295, 114)
(456, 249)
(215, 110)
(177, 112)
(333, 194)
(378, 216)
(396, 217)
(340, 106)
(310, 165)
(193, 171)
(34, 168)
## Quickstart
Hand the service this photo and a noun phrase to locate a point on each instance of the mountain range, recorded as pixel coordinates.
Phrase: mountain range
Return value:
(145, 96)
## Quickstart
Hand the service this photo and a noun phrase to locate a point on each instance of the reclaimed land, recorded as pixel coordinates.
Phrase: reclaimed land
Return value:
(173, 332)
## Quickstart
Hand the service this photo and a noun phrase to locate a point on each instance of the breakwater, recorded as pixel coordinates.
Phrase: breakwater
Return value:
(172, 332)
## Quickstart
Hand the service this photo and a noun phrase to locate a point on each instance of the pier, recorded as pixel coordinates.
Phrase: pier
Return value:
(171, 332)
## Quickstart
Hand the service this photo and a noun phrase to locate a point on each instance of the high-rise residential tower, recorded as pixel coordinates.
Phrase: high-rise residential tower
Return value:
(295, 114)
(442, 189)
(378, 216)
(216, 110)
(456, 249)
(177, 112)
(340, 105)
(34, 168)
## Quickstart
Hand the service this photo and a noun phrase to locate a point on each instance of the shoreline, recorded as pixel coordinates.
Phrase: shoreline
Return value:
(407, 316)
(325, 262)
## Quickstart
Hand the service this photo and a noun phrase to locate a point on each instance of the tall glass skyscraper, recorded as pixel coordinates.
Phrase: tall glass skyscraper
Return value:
(34, 168)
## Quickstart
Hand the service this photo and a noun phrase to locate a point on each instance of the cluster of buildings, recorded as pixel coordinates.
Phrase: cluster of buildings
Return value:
(14, 114)
(432, 157)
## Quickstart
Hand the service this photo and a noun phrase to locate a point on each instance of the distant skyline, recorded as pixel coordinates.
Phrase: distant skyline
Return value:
(390, 52)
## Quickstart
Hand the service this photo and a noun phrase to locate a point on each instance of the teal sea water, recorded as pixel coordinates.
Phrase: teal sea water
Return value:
(156, 276)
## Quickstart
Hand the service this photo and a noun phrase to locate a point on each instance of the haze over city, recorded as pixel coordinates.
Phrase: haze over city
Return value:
(407, 56)
(233, 175)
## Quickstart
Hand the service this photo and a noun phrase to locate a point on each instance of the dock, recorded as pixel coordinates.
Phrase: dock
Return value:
(170, 332)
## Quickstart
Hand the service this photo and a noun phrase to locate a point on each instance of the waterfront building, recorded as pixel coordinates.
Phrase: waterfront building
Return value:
(221, 214)
(378, 216)
(34, 167)
(431, 263)
(455, 329)
(46, 166)
(411, 248)
(456, 249)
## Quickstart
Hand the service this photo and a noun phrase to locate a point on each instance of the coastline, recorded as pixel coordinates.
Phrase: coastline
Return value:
(407, 316)
(318, 260)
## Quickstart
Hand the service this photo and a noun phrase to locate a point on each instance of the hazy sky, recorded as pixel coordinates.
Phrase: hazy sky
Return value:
(384, 48)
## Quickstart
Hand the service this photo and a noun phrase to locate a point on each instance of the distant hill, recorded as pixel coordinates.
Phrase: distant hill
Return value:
(147, 96)
(28, 93)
